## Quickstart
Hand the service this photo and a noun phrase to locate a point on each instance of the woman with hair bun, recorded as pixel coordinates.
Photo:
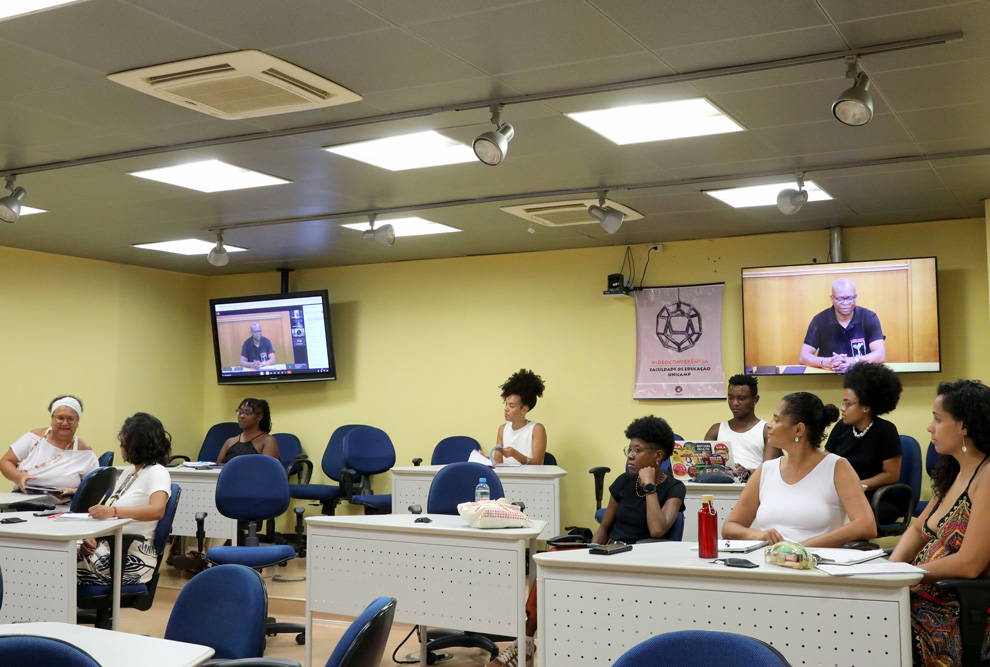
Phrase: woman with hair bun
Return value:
(805, 496)
(520, 439)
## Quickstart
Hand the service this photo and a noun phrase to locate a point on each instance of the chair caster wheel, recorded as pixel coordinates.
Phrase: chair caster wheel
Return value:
(301, 638)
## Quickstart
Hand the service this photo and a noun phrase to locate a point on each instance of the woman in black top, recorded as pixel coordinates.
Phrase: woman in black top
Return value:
(869, 443)
(643, 501)
(255, 420)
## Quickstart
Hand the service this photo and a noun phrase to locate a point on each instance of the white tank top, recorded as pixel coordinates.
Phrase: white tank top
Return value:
(521, 440)
(747, 448)
(803, 510)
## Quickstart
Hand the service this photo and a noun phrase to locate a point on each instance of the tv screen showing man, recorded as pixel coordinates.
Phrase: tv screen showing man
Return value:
(257, 351)
(844, 334)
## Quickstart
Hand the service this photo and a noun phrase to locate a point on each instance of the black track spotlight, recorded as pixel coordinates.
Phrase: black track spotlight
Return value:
(609, 218)
(855, 105)
(384, 235)
(218, 256)
(10, 206)
(491, 146)
(789, 200)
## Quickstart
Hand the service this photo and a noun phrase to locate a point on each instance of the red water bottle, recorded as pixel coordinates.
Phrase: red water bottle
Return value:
(707, 528)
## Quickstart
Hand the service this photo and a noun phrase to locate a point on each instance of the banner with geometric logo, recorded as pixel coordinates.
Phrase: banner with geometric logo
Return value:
(679, 342)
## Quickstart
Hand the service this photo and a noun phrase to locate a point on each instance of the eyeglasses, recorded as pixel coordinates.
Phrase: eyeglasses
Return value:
(844, 299)
(848, 404)
(243, 413)
(635, 451)
(61, 419)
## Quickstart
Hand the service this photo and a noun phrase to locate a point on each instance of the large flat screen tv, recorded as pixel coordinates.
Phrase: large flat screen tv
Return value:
(788, 307)
(273, 338)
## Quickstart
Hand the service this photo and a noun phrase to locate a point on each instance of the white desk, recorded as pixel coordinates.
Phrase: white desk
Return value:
(592, 609)
(38, 558)
(537, 486)
(10, 498)
(726, 497)
(199, 489)
(117, 649)
(444, 573)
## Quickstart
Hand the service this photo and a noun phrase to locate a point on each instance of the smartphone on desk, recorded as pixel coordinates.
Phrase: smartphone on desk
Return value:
(609, 549)
(13, 519)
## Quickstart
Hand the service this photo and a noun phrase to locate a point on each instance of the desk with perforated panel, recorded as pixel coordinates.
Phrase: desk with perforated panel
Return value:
(592, 609)
(537, 486)
(444, 573)
(199, 489)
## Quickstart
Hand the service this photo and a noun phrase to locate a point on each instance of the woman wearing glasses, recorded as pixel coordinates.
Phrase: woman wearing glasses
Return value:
(869, 443)
(644, 501)
(255, 420)
(141, 494)
(51, 457)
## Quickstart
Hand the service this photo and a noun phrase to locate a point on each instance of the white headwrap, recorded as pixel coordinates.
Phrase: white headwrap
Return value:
(67, 402)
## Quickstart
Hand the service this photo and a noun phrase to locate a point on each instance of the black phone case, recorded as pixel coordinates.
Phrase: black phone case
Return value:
(609, 549)
(13, 519)
(740, 562)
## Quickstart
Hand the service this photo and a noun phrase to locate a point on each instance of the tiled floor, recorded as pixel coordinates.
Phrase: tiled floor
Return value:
(286, 601)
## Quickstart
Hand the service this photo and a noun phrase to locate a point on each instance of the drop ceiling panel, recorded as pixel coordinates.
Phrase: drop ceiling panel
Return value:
(852, 10)
(410, 12)
(751, 49)
(37, 71)
(942, 85)
(967, 121)
(626, 67)
(832, 136)
(717, 149)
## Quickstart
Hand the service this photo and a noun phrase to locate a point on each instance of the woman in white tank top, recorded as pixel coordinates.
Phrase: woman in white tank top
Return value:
(520, 440)
(807, 495)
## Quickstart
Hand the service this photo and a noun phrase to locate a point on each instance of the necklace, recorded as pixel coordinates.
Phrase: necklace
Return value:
(124, 487)
(61, 451)
(860, 434)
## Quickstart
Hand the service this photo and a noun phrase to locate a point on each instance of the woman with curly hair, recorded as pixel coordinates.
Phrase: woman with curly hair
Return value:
(520, 439)
(255, 420)
(951, 538)
(643, 502)
(807, 495)
(141, 494)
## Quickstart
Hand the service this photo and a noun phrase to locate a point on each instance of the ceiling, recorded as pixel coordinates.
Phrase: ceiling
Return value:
(57, 108)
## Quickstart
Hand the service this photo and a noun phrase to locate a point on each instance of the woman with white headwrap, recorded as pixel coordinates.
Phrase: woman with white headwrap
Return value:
(53, 456)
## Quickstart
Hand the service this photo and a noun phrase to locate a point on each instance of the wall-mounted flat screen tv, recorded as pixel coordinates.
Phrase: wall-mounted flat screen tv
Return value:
(273, 338)
(821, 318)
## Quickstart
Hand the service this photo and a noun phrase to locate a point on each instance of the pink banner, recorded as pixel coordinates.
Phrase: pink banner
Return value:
(679, 342)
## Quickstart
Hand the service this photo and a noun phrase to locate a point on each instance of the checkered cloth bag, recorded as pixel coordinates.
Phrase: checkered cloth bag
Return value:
(493, 514)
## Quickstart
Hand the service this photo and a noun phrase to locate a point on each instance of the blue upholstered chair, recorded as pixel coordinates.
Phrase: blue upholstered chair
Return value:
(931, 459)
(296, 465)
(106, 459)
(96, 601)
(904, 494)
(215, 437)
(330, 495)
(252, 489)
(549, 459)
(368, 451)
(455, 484)
(701, 648)
(34, 651)
(93, 488)
(454, 449)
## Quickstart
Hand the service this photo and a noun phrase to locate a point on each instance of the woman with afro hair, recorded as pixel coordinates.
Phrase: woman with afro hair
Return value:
(520, 439)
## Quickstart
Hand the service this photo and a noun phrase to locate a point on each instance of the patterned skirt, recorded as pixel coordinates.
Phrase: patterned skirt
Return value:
(139, 565)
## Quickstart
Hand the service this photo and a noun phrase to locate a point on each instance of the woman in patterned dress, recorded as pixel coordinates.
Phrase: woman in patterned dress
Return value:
(951, 539)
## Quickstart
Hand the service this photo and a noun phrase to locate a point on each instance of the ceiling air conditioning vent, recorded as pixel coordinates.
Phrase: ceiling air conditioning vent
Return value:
(566, 213)
(243, 84)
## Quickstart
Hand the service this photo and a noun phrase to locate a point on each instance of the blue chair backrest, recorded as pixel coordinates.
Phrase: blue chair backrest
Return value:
(697, 648)
(911, 465)
(931, 458)
(363, 643)
(93, 488)
(224, 607)
(454, 449)
(289, 448)
(215, 437)
(33, 651)
(368, 451)
(333, 457)
(106, 459)
(676, 532)
(455, 484)
(549, 459)
(252, 487)
(164, 527)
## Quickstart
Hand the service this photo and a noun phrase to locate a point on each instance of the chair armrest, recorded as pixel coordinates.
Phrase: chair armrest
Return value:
(347, 476)
(906, 506)
(520, 504)
(599, 473)
(974, 596)
(302, 467)
(179, 457)
(417, 461)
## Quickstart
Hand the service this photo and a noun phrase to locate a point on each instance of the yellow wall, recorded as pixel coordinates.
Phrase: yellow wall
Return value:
(422, 346)
(121, 338)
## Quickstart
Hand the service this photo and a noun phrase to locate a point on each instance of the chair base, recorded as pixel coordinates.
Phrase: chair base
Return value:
(274, 627)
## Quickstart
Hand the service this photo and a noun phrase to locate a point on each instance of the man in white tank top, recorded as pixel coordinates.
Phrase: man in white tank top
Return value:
(745, 431)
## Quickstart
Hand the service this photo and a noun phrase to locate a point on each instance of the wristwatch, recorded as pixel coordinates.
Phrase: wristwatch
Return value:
(649, 488)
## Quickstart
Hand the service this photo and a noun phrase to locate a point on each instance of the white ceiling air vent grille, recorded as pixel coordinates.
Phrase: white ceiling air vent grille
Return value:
(566, 213)
(243, 84)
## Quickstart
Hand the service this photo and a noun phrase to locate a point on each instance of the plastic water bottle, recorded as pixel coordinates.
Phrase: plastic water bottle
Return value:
(707, 528)
(482, 492)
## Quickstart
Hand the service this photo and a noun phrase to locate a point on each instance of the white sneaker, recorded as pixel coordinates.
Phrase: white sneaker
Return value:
(509, 657)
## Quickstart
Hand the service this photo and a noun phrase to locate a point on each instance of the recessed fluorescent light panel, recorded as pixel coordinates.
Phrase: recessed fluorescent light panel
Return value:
(187, 247)
(408, 226)
(407, 151)
(10, 8)
(210, 176)
(27, 210)
(656, 122)
(765, 195)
